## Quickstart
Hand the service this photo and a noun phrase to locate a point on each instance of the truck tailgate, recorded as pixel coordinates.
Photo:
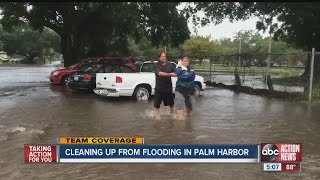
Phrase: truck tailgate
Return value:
(123, 80)
(104, 80)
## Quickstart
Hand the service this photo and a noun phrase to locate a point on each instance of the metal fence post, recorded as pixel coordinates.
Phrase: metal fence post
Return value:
(311, 75)
(211, 69)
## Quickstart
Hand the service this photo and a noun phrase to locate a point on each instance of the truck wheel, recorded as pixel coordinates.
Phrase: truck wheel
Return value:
(141, 94)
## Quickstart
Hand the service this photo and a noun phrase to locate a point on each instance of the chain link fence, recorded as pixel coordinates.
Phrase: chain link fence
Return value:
(288, 72)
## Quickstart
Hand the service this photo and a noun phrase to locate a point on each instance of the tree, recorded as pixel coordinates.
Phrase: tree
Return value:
(144, 50)
(199, 47)
(299, 21)
(100, 28)
(282, 52)
(24, 41)
(226, 50)
(255, 47)
(250, 42)
(174, 52)
(226, 47)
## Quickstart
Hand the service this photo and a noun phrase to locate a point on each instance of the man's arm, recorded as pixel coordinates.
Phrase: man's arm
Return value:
(173, 70)
(164, 74)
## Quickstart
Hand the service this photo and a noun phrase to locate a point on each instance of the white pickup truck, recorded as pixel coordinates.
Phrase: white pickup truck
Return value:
(139, 85)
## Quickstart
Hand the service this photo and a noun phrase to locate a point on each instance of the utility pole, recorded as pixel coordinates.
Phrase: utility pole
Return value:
(311, 75)
(268, 77)
(239, 58)
(236, 73)
(165, 49)
(239, 54)
(269, 56)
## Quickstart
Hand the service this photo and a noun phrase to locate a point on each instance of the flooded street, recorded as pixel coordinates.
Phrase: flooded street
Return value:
(34, 112)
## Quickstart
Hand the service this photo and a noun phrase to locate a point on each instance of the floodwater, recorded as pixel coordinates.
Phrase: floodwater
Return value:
(33, 112)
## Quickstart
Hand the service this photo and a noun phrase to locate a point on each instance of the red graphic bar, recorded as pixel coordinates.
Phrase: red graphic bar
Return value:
(40, 154)
(286, 167)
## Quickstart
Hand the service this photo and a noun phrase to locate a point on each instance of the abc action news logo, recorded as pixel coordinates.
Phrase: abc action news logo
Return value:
(281, 152)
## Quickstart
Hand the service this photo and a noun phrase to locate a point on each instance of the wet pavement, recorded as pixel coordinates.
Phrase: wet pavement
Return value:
(33, 112)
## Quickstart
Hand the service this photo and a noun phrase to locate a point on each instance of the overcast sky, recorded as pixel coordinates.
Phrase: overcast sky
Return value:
(224, 30)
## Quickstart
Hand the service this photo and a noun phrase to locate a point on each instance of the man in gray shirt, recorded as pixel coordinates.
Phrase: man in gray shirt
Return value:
(163, 91)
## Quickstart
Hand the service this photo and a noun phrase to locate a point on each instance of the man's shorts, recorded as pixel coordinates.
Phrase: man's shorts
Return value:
(166, 97)
(182, 101)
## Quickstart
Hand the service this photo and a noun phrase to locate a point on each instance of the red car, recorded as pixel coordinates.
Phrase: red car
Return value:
(60, 76)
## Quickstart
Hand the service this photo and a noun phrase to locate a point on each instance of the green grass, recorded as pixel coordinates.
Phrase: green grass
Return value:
(284, 71)
(299, 81)
(291, 81)
(316, 92)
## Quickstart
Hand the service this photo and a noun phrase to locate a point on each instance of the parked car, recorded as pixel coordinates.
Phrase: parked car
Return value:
(85, 78)
(139, 85)
(61, 75)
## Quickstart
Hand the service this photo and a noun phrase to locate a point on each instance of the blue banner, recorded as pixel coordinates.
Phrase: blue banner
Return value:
(158, 151)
